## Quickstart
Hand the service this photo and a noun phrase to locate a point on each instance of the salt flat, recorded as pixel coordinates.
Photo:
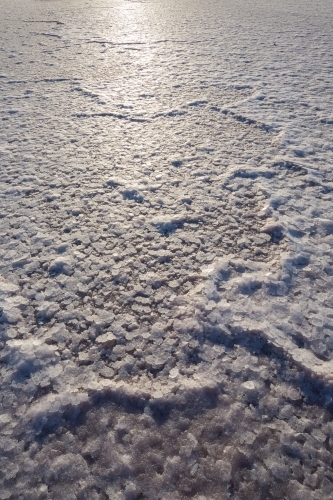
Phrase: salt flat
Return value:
(166, 245)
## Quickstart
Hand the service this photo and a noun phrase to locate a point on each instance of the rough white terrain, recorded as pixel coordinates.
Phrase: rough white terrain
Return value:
(166, 239)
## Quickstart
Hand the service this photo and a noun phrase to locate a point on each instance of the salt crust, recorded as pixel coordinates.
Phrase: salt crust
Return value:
(166, 268)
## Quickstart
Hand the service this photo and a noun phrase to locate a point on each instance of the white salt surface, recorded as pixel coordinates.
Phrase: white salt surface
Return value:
(166, 250)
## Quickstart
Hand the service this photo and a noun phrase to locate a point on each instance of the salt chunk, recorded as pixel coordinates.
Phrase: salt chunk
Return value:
(10, 315)
(107, 340)
(272, 228)
(107, 372)
(7, 287)
(192, 440)
(61, 265)
(251, 390)
(84, 358)
(4, 419)
(248, 284)
(327, 225)
(70, 467)
(174, 372)
(224, 470)
(319, 435)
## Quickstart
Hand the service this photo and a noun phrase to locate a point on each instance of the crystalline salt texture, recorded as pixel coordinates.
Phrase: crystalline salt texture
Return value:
(154, 232)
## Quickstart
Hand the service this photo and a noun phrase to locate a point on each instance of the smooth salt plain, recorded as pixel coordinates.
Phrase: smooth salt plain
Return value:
(166, 249)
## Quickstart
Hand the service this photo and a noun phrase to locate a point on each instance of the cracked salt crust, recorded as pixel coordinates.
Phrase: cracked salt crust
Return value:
(166, 251)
